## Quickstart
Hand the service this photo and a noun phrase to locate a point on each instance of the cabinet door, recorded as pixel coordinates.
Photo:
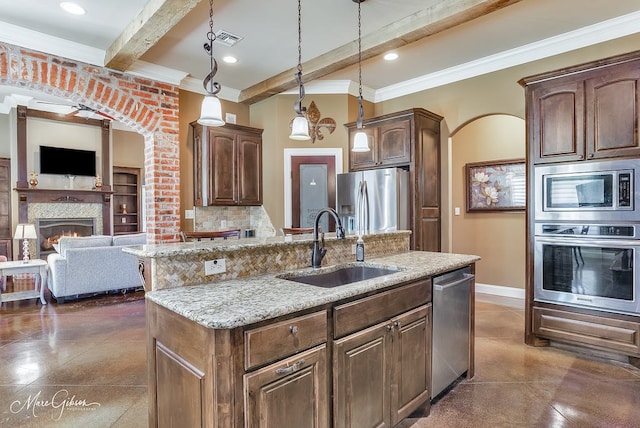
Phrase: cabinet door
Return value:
(394, 143)
(290, 393)
(222, 161)
(361, 378)
(557, 123)
(249, 170)
(411, 362)
(613, 113)
(363, 160)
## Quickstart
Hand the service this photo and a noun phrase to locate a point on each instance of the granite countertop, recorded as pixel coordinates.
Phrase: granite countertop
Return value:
(240, 302)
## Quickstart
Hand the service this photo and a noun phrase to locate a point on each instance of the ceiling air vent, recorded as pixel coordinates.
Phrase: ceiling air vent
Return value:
(226, 38)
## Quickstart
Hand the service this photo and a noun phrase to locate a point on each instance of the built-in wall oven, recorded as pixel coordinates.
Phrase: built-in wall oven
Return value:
(587, 235)
(588, 265)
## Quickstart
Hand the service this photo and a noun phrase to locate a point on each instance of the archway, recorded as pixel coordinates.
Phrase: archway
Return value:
(149, 107)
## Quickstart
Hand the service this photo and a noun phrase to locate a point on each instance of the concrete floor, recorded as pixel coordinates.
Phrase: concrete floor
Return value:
(83, 364)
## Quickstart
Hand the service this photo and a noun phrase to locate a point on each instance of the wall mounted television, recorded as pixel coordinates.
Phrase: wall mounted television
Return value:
(58, 160)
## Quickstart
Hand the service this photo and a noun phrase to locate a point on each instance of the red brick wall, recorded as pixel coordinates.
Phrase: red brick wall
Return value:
(148, 106)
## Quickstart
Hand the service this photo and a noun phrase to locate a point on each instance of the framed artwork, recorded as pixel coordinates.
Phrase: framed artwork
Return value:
(496, 186)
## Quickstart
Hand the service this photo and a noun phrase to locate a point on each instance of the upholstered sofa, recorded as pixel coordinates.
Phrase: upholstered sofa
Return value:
(93, 264)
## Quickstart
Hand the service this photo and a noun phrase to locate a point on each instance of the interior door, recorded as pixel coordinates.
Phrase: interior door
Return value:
(313, 186)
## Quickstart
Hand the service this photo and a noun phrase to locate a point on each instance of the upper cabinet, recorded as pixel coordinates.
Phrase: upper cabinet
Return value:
(585, 113)
(227, 165)
(389, 140)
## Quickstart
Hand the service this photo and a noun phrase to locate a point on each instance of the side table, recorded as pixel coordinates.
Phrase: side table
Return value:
(37, 267)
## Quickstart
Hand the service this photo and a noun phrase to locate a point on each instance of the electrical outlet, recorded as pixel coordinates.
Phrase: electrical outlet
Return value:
(189, 214)
(223, 224)
(212, 267)
(456, 211)
(353, 249)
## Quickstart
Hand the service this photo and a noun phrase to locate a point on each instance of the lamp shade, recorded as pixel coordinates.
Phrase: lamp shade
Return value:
(360, 142)
(25, 231)
(211, 112)
(300, 129)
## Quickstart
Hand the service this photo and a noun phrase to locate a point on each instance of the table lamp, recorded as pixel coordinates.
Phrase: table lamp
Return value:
(25, 232)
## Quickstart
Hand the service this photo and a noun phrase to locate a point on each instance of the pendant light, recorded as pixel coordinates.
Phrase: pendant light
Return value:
(211, 110)
(360, 141)
(300, 125)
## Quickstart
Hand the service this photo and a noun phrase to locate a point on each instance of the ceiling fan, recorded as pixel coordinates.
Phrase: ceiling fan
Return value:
(81, 107)
(76, 109)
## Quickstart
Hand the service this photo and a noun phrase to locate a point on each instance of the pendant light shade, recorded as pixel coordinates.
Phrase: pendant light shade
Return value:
(300, 129)
(300, 124)
(360, 140)
(211, 110)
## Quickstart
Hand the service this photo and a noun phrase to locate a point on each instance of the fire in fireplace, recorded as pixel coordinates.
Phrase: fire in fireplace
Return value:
(50, 230)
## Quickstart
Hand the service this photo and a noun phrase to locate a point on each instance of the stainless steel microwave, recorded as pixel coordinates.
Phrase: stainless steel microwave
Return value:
(591, 191)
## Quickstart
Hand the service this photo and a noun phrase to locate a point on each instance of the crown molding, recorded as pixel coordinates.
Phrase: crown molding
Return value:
(597, 33)
(40, 42)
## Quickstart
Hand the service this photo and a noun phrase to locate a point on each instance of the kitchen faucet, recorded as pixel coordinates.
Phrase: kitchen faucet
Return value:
(319, 251)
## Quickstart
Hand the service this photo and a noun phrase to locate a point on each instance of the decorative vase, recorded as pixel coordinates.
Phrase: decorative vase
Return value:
(124, 208)
(33, 181)
(98, 182)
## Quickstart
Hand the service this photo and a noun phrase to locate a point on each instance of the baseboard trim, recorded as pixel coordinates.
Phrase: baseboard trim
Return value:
(499, 290)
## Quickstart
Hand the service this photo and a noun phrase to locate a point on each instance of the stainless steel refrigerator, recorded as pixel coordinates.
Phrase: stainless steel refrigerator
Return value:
(376, 200)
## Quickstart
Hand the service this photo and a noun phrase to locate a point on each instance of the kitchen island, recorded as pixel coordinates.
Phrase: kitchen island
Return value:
(268, 351)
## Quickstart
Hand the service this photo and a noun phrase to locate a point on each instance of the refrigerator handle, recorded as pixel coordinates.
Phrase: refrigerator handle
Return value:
(363, 208)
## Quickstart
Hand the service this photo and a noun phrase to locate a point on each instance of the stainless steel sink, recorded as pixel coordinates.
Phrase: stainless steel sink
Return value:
(334, 277)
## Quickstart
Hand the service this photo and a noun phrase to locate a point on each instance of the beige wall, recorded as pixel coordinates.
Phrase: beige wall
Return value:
(274, 115)
(127, 149)
(497, 237)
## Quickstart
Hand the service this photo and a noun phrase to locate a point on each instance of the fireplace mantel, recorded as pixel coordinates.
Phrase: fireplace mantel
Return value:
(78, 196)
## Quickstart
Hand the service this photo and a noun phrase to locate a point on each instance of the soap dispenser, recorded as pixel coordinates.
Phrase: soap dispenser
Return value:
(359, 249)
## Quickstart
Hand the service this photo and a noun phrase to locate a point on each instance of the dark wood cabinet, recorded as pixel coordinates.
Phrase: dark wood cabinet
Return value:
(289, 393)
(383, 373)
(126, 200)
(227, 165)
(408, 139)
(584, 114)
(390, 143)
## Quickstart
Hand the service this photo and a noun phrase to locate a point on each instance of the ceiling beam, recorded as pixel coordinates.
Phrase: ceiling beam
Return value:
(439, 17)
(151, 24)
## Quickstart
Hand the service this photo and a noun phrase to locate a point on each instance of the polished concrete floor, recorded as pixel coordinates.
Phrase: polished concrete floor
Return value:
(83, 364)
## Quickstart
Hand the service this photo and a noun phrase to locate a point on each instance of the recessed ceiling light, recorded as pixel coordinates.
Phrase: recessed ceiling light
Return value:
(230, 59)
(391, 56)
(72, 8)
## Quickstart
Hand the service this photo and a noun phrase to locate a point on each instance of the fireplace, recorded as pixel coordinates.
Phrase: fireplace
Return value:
(50, 230)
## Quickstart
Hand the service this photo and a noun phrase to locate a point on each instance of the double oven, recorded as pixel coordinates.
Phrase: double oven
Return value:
(587, 235)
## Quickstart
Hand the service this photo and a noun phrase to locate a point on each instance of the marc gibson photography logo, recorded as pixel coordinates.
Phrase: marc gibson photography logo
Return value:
(60, 401)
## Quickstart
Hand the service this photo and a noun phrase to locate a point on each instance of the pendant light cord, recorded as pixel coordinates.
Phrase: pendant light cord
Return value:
(298, 105)
(211, 87)
(360, 108)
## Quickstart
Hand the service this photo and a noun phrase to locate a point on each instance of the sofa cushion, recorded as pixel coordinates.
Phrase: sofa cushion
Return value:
(131, 239)
(67, 242)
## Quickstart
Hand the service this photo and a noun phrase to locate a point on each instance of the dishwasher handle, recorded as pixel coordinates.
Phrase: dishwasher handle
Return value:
(465, 277)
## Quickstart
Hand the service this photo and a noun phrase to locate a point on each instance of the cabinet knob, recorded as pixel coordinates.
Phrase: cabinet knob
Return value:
(293, 329)
(590, 155)
(397, 325)
(389, 327)
(580, 157)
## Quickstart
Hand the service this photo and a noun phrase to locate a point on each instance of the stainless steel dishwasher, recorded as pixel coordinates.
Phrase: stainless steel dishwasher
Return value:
(450, 353)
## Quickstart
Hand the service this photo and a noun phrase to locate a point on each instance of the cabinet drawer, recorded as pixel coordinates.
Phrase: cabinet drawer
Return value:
(275, 341)
(371, 310)
(589, 330)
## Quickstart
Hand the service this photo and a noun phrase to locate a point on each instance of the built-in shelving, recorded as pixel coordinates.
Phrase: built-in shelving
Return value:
(126, 200)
